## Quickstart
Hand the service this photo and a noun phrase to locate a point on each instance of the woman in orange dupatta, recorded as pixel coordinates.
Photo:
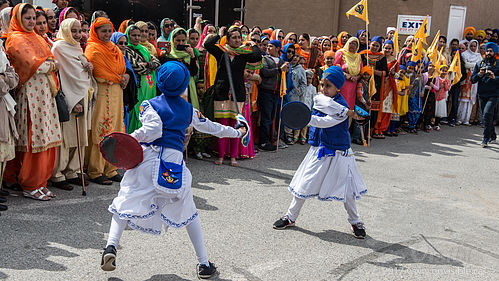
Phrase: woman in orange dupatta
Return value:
(107, 116)
(36, 117)
(386, 122)
(377, 61)
(41, 27)
(124, 25)
(342, 39)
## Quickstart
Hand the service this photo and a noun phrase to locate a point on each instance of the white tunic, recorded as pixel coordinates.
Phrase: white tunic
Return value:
(144, 206)
(327, 178)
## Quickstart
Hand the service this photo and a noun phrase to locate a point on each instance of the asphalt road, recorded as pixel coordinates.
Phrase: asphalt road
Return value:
(432, 213)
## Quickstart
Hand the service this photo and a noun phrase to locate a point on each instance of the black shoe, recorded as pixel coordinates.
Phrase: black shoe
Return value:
(117, 178)
(267, 147)
(283, 222)
(15, 187)
(3, 208)
(77, 181)
(64, 185)
(205, 272)
(359, 231)
(3, 199)
(4, 192)
(108, 262)
(101, 180)
(359, 142)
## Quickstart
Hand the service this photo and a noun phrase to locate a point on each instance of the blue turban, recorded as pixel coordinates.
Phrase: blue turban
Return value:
(402, 67)
(335, 75)
(276, 43)
(172, 78)
(493, 46)
(377, 39)
(389, 42)
(359, 33)
(284, 55)
(410, 63)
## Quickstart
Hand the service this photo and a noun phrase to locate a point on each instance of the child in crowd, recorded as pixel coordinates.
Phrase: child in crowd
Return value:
(307, 98)
(403, 83)
(416, 91)
(328, 171)
(441, 96)
(362, 101)
(202, 143)
(431, 87)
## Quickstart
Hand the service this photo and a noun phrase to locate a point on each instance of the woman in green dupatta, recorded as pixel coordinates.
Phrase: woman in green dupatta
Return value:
(144, 65)
(185, 54)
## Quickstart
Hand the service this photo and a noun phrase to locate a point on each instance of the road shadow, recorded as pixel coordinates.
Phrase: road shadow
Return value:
(379, 248)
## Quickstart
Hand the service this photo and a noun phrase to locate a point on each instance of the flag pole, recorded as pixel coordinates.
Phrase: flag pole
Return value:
(367, 63)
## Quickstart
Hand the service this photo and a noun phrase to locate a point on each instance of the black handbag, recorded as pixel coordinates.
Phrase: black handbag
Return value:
(62, 105)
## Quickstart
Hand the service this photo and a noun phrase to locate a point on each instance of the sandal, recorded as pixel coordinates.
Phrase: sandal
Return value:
(101, 180)
(47, 192)
(233, 163)
(32, 195)
(219, 161)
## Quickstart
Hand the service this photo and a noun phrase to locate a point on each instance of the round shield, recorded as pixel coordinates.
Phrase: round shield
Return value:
(121, 150)
(295, 115)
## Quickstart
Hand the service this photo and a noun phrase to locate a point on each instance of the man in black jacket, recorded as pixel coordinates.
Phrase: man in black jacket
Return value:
(268, 93)
(486, 74)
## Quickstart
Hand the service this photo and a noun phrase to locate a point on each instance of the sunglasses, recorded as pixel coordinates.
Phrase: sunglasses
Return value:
(334, 42)
(280, 37)
(169, 25)
(489, 33)
(290, 52)
(121, 43)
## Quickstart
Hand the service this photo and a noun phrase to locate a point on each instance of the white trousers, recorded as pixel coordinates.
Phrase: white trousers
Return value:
(350, 207)
(193, 229)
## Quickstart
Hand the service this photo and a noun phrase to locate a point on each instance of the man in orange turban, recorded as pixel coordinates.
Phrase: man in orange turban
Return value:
(469, 33)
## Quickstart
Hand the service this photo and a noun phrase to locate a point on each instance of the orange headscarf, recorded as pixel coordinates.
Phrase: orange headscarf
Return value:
(339, 39)
(26, 50)
(123, 26)
(268, 32)
(108, 61)
(275, 34)
(286, 38)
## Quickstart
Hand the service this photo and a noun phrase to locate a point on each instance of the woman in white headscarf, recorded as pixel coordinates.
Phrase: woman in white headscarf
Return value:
(8, 131)
(467, 96)
(75, 75)
(4, 23)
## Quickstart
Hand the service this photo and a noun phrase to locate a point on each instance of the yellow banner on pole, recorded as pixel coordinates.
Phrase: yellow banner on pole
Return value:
(360, 11)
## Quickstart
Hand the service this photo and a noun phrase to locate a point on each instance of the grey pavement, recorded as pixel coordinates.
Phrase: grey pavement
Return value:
(432, 213)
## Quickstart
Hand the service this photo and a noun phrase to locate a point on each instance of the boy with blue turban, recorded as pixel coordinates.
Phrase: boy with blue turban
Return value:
(157, 193)
(328, 171)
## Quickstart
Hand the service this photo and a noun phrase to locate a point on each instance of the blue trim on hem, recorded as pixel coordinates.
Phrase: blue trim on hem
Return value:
(330, 198)
(154, 208)
(145, 230)
(179, 225)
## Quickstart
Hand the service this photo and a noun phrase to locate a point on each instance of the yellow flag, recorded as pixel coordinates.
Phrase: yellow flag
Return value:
(455, 67)
(417, 53)
(283, 89)
(422, 31)
(396, 43)
(360, 11)
(372, 86)
(434, 44)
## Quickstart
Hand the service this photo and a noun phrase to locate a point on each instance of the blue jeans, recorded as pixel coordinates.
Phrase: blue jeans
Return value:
(488, 105)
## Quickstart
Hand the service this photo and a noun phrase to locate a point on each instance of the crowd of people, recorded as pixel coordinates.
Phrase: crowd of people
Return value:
(104, 73)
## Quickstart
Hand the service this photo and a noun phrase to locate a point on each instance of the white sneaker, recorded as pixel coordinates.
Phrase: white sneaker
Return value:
(199, 156)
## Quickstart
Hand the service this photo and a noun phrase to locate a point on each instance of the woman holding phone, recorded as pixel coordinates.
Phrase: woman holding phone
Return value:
(182, 52)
